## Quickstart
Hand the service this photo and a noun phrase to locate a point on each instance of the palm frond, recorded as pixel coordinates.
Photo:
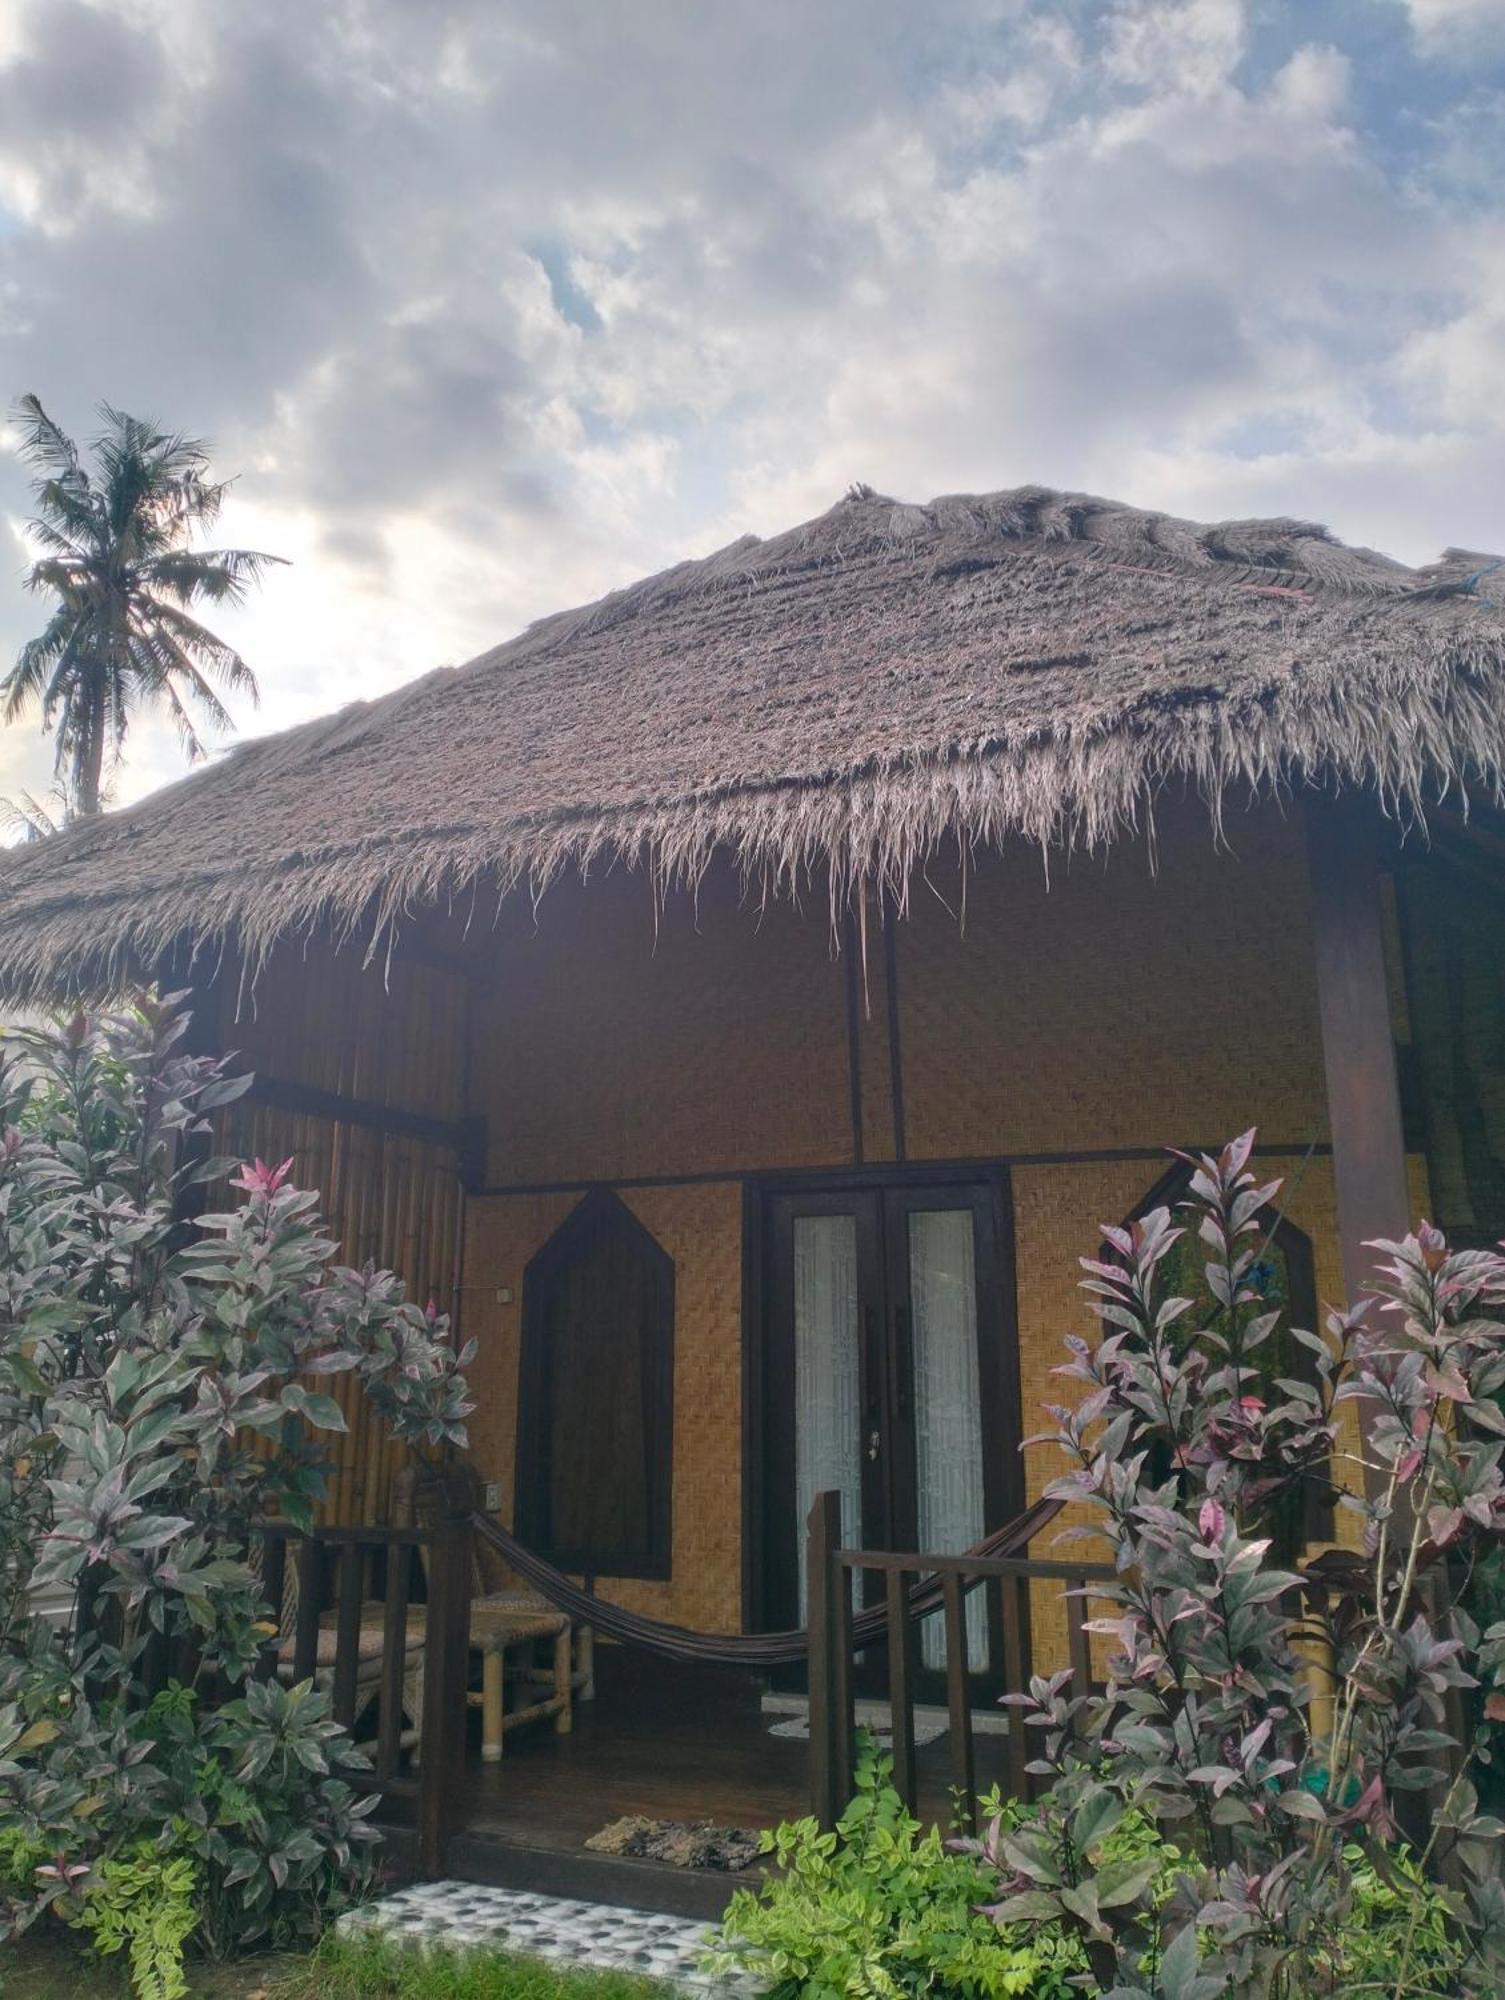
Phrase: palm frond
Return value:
(45, 444)
(26, 818)
(49, 535)
(38, 664)
(115, 553)
(177, 671)
(188, 736)
(214, 576)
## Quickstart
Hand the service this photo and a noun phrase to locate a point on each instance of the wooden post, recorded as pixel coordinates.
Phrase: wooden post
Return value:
(901, 1679)
(394, 1648)
(843, 1708)
(1013, 1592)
(446, 1651)
(1358, 1043)
(347, 1642)
(310, 1609)
(822, 1540)
(959, 1698)
(273, 1577)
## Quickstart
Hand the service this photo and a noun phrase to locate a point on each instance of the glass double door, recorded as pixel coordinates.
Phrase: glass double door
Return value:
(889, 1378)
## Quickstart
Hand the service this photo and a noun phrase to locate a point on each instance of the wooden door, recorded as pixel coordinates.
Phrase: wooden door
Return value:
(889, 1376)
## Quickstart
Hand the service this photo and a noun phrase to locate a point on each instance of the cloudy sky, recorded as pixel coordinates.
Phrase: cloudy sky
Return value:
(494, 306)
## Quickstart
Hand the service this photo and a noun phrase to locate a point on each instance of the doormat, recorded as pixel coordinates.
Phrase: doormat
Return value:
(926, 1730)
(683, 1844)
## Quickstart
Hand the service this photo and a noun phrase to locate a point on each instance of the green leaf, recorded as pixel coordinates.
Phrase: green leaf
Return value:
(29, 1378)
(1082, 1902)
(1095, 1818)
(1121, 1881)
(323, 1412)
(1032, 1906)
(1302, 1805)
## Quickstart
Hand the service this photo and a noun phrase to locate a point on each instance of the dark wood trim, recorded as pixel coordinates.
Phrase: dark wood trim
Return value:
(1406, 878)
(753, 1411)
(307, 1100)
(880, 1197)
(1007, 1392)
(822, 1538)
(1358, 1044)
(536, 1388)
(195, 1149)
(842, 1171)
(895, 1052)
(849, 948)
(509, 1863)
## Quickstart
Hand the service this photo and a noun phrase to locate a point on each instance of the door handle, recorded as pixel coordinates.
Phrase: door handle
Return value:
(874, 1441)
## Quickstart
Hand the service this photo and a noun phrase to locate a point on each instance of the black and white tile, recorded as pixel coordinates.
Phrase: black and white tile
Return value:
(463, 1916)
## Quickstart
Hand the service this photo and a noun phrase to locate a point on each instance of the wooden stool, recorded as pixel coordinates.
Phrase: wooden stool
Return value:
(498, 1623)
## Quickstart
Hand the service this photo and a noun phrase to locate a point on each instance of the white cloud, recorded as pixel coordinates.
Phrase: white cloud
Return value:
(1456, 23)
(1171, 45)
(500, 303)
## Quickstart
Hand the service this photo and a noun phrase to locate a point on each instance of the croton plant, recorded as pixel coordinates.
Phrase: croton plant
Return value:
(159, 1378)
(1284, 1726)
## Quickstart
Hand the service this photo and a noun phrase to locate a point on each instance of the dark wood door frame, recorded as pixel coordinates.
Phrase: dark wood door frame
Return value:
(998, 1346)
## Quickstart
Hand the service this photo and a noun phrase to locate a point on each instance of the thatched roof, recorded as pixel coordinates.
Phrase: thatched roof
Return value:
(840, 700)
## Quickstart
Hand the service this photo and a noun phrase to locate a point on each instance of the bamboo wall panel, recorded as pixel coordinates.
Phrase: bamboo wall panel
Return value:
(1118, 1007)
(1111, 1008)
(701, 1229)
(1116, 1004)
(392, 1033)
(609, 1040)
(391, 1036)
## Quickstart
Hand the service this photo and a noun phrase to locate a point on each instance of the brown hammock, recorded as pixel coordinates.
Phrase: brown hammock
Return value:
(738, 1649)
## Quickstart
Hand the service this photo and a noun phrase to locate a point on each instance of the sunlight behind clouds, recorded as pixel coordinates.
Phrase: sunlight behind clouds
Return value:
(496, 306)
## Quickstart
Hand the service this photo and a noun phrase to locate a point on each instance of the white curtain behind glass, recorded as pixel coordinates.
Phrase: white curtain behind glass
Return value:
(948, 1414)
(827, 1392)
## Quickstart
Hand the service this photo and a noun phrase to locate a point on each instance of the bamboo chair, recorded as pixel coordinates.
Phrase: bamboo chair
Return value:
(506, 1624)
(369, 1653)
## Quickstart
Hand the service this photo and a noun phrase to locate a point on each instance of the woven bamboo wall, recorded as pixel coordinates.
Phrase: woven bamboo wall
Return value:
(611, 1042)
(391, 1036)
(701, 1229)
(1117, 1008)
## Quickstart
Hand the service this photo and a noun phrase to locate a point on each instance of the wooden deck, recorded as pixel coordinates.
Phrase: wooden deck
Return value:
(664, 1741)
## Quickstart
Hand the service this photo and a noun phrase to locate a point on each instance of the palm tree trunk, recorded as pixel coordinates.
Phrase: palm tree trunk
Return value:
(88, 762)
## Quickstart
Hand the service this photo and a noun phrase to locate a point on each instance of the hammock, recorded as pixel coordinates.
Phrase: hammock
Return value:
(739, 1649)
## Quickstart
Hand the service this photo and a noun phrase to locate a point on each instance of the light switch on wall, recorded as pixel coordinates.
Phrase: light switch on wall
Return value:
(493, 1495)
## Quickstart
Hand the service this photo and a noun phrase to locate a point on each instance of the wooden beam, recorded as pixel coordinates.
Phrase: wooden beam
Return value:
(895, 1053)
(1358, 1044)
(308, 1100)
(822, 1540)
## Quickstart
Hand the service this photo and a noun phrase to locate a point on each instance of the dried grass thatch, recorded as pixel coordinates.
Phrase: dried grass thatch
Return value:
(836, 701)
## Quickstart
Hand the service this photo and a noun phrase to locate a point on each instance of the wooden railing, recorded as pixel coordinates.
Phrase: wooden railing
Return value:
(1006, 1579)
(432, 1784)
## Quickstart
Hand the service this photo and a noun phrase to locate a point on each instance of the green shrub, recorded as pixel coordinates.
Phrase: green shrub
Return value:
(1183, 1457)
(140, 1357)
(144, 1903)
(880, 1906)
(1399, 1918)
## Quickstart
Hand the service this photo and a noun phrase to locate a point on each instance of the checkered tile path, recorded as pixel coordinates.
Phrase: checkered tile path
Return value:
(462, 1915)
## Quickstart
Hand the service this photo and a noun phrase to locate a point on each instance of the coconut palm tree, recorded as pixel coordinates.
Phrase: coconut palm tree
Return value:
(114, 541)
